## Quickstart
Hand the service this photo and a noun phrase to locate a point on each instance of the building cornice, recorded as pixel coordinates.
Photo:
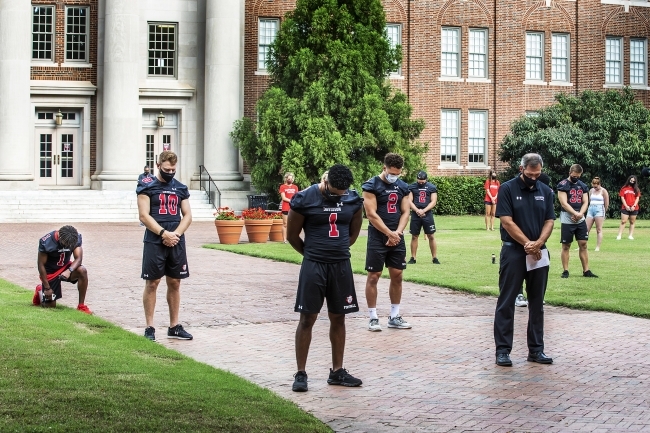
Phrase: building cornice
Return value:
(169, 89)
(59, 87)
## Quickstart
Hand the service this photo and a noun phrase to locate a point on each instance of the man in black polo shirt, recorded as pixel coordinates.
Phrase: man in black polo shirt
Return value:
(525, 209)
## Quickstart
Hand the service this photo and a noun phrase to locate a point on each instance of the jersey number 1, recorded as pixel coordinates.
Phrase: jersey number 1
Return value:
(392, 202)
(168, 208)
(334, 231)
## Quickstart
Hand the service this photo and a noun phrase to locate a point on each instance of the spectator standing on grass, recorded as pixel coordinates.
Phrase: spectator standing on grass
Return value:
(491, 192)
(598, 204)
(630, 195)
(287, 190)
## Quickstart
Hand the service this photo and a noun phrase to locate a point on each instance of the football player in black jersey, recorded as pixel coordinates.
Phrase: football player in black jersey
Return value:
(55, 250)
(423, 196)
(386, 200)
(574, 199)
(330, 215)
(164, 208)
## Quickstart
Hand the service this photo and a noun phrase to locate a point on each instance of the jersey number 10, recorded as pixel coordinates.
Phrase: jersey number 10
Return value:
(168, 206)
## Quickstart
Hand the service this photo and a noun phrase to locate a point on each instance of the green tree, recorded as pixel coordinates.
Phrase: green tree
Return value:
(606, 132)
(329, 100)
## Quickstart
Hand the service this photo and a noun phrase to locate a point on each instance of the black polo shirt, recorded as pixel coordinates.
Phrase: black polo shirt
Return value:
(529, 208)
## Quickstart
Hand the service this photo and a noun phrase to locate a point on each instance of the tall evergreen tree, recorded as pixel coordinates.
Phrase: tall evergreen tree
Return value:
(329, 99)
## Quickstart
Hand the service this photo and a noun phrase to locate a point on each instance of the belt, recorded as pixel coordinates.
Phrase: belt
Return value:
(515, 244)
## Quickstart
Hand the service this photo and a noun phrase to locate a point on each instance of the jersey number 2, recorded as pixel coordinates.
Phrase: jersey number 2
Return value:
(423, 196)
(166, 207)
(334, 231)
(392, 202)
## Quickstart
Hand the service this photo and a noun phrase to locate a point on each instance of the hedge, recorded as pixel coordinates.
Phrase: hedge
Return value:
(459, 195)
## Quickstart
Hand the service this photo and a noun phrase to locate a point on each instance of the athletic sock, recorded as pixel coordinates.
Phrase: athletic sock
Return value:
(373, 313)
(394, 310)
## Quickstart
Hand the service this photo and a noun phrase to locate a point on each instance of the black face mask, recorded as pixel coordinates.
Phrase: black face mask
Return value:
(529, 181)
(167, 177)
(574, 179)
(494, 176)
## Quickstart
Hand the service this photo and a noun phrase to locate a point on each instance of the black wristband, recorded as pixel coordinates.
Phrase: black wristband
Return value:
(161, 232)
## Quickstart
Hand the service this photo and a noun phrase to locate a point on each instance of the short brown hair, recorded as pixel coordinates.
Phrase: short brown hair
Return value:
(576, 168)
(168, 155)
(393, 160)
(595, 180)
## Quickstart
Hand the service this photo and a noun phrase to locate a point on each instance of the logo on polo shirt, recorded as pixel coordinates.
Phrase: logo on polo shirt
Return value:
(539, 197)
(518, 198)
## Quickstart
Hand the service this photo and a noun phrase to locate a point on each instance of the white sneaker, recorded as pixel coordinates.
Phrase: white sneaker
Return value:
(597, 249)
(374, 325)
(618, 238)
(630, 238)
(521, 301)
(398, 322)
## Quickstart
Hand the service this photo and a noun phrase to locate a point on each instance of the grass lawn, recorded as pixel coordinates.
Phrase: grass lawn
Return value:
(64, 371)
(465, 249)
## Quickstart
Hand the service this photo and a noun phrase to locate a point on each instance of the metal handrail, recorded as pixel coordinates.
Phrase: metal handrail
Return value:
(211, 189)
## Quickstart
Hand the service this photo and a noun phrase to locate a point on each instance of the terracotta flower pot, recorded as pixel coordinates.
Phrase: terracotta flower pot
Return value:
(258, 230)
(275, 235)
(229, 231)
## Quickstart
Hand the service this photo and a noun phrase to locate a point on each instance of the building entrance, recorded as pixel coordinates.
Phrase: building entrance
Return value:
(58, 149)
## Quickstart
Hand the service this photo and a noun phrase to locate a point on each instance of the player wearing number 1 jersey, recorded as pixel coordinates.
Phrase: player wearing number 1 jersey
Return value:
(574, 199)
(164, 209)
(387, 204)
(330, 216)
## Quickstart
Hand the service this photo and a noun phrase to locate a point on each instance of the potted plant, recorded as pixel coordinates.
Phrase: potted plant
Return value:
(275, 235)
(258, 224)
(229, 225)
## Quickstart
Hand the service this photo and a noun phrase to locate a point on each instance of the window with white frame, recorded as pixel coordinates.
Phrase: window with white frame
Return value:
(560, 57)
(534, 56)
(394, 33)
(76, 34)
(613, 60)
(162, 49)
(638, 62)
(477, 136)
(267, 30)
(450, 52)
(449, 135)
(43, 33)
(477, 53)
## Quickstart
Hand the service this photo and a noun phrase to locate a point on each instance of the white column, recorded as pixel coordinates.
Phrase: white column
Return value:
(122, 152)
(223, 87)
(16, 135)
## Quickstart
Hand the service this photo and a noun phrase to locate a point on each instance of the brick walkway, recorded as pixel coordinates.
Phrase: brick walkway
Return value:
(440, 376)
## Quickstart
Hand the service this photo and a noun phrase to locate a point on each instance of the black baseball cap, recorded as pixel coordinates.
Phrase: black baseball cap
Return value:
(422, 175)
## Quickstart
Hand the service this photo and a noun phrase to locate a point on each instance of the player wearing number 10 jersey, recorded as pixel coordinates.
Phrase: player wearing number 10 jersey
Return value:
(330, 215)
(164, 209)
(386, 200)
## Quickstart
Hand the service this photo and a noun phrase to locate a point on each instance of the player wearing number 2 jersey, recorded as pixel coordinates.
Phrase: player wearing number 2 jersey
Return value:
(574, 199)
(386, 200)
(330, 216)
(164, 209)
(423, 196)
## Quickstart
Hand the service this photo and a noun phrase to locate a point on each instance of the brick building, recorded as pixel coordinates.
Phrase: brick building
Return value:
(92, 90)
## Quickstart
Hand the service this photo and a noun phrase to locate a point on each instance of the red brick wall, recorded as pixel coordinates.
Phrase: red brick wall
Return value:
(73, 74)
(587, 22)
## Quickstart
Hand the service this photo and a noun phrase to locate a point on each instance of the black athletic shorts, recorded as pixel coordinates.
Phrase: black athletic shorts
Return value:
(628, 212)
(570, 230)
(332, 281)
(55, 285)
(159, 260)
(378, 254)
(417, 223)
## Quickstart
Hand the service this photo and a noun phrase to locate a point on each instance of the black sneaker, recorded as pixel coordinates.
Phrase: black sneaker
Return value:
(342, 377)
(436, 261)
(150, 333)
(589, 274)
(300, 382)
(565, 274)
(412, 261)
(178, 332)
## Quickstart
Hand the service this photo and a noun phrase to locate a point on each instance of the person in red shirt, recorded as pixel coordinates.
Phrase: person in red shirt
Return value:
(287, 191)
(630, 195)
(491, 191)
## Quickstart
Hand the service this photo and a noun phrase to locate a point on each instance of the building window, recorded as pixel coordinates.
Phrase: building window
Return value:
(450, 52)
(477, 136)
(162, 49)
(42, 32)
(532, 113)
(477, 53)
(267, 31)
(449, 127)
(613, 60)
(560, 58)
(638, 62)
(534, 56)
(76, 34)
(394, 33)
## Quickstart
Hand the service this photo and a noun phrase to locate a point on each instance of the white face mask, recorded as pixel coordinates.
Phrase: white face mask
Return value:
(392, 178)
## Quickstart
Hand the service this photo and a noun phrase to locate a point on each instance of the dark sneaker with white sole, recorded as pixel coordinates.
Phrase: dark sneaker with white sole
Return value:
(150, 333)
(300, 382)
(179, 333)
(342, 377)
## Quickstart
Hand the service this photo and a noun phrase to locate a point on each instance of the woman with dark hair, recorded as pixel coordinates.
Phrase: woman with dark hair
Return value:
(491, 191)
(598, 204)
(630, 195)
